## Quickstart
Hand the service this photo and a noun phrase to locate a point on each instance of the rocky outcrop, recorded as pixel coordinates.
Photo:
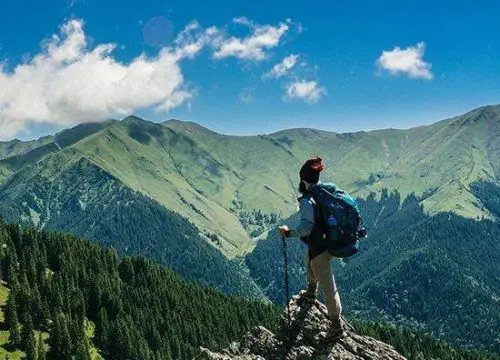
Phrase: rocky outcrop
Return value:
(303, 340)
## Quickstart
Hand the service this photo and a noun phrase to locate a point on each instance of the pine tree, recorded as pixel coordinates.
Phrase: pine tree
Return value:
(12, 319)
(60, 340)
(102, 331)
(42, 353)
(13, 278)
(28, 339)
(82, 349)
(67, 344)
(154, 314)
(36, 308)
(45, 316)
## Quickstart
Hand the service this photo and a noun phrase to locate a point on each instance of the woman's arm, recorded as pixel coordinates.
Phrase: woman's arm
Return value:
(306, 222)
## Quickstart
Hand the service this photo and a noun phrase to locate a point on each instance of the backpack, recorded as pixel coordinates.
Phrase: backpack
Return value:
(340, 221)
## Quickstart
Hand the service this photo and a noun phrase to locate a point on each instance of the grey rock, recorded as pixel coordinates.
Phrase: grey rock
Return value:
(304, 340)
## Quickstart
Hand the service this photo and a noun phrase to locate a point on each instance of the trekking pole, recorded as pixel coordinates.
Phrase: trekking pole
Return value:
(285, 257)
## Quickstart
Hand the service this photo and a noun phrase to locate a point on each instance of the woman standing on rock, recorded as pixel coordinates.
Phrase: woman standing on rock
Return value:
(318, 258)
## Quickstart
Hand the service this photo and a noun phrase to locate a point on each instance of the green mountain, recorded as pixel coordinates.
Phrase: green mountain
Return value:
(14, 155)
(16, 147)
(64, 298)
(436, 162)
(87, 201)
(236, 187)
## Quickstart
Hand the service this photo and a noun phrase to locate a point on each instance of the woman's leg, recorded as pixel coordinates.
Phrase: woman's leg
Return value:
(312, 280)
(322, 270)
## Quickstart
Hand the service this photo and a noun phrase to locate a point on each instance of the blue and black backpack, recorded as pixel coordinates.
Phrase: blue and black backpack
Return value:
(339, 220)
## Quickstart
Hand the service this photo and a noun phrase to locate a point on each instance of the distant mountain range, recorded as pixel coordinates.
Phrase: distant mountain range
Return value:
(236, 186)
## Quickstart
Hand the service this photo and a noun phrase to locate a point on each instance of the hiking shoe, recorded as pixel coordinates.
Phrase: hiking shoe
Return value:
(311, 292)
(335, 333)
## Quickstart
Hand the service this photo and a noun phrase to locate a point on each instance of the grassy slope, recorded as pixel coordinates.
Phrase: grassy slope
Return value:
(169, 169)
(439, 160)
(87, 201)
(454, 155)
(15, 154)
(199, 173)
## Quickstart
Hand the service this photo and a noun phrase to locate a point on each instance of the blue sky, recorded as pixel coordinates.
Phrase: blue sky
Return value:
(350, 66)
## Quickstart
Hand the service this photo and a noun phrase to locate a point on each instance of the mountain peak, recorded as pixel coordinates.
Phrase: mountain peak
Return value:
(304, 339)
(189, 126)
(484, 113)
(133, 118)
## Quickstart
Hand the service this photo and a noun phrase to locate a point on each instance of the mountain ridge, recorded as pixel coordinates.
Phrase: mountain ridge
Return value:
(222, 182)
(493, 107)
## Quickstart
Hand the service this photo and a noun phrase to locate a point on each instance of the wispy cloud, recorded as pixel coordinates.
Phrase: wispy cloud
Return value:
(309, 91)
(407, 61)
(252, 47)
(283, 67)
(73, 3)
(297, 86)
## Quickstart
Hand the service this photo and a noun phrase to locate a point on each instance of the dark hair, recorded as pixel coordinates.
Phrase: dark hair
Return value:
(302, 187)
(311, 169)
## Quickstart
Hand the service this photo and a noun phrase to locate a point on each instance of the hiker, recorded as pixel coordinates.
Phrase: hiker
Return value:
(318, 258)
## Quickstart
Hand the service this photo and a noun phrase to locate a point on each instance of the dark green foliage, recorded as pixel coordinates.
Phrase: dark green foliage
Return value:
(439, 272)
(96, 206)
(140, 309)
(266, 266)
(12, 319)
(41, 352)
(27, 337)
(489, 194)
(285, 140)
(255, 221)
(416, 345)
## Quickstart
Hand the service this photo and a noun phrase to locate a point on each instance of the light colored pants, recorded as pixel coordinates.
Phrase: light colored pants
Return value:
(319, 270)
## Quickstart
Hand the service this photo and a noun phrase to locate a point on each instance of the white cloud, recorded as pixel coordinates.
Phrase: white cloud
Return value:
(252, 47)
(309, 91)
(67, 83)
(406, 61)
(283, 67)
